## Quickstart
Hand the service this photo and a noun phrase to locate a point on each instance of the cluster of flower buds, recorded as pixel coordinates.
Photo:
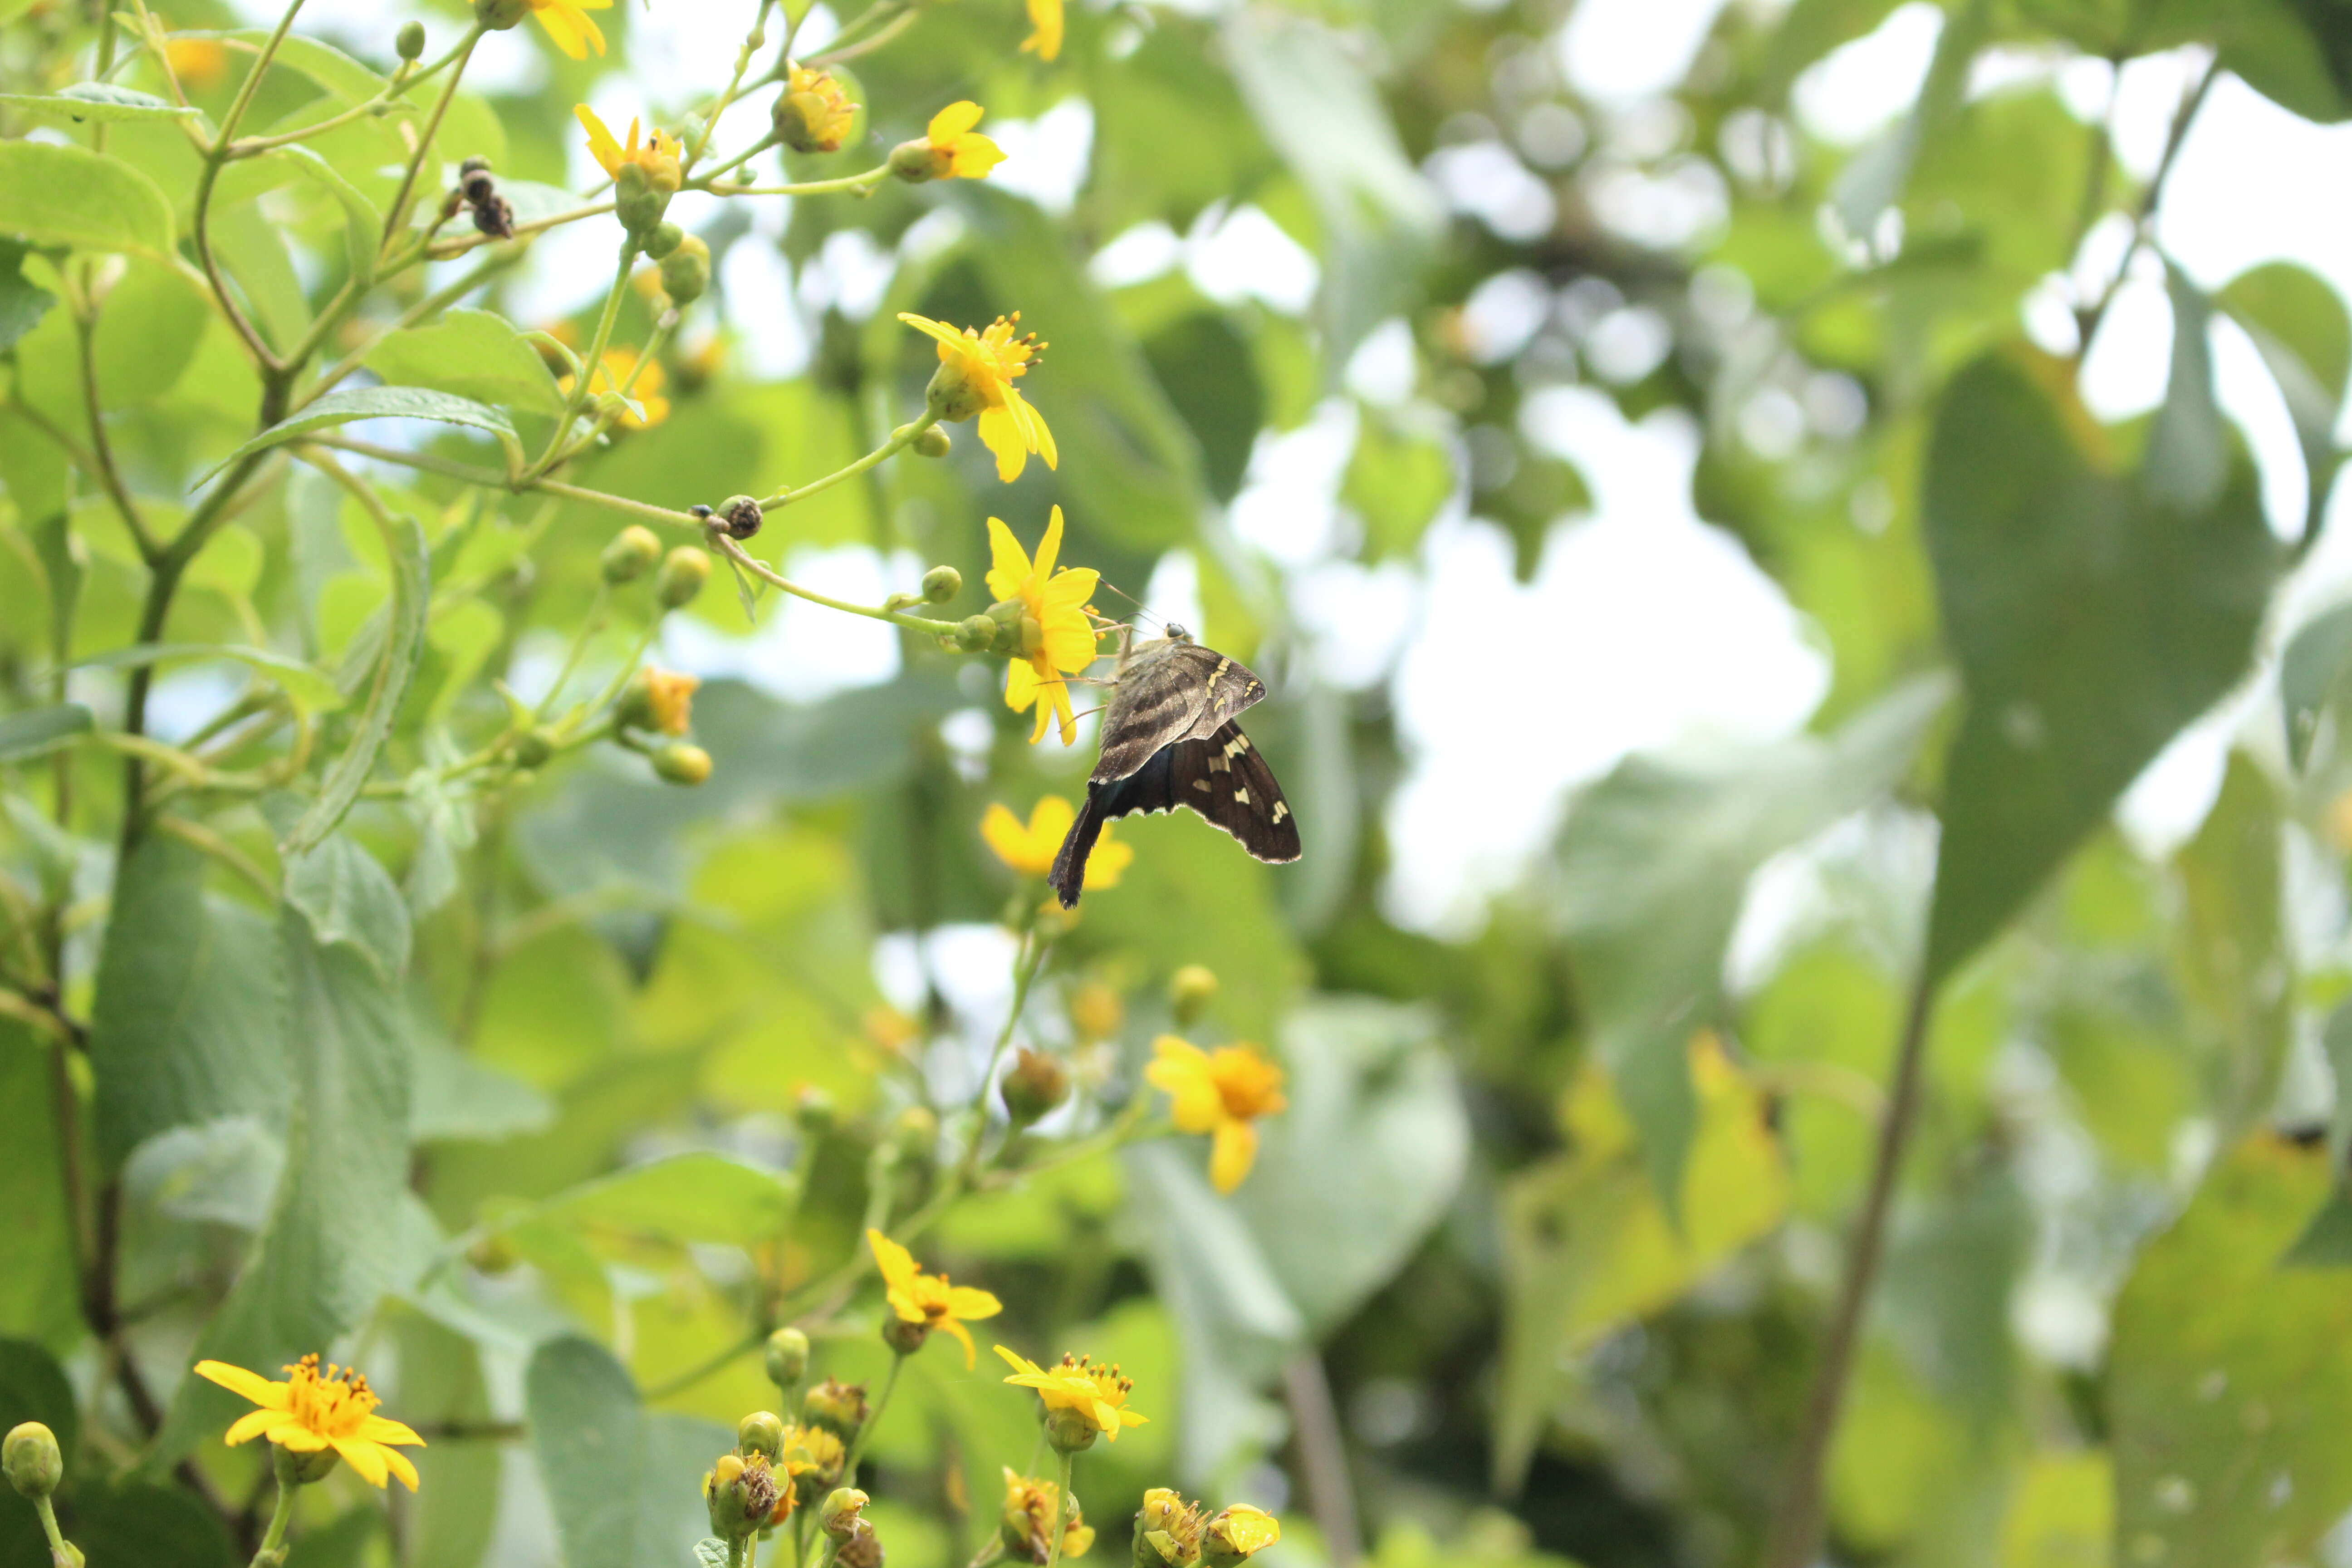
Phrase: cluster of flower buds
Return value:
(1173, 1533)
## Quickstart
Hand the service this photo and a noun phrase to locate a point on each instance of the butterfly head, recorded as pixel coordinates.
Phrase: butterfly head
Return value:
(1176, 633)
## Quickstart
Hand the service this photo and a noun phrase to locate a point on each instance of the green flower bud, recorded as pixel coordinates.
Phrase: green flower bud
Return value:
(941, 583)
(1237, 1534)
(933, 442)
(903, 1337)
(498, 16)
(295, 1468)
(788, 1356)
(30, 1456)
(976, 634)
(741, 1494)
(741, 516)
(665, 237)
(632, 551)
(838, 1407)
(532, 747)
(813, 1107)
(915, 162)
(410, 42)
(684, 572)
(1190, 991)
(839, 1515)
(762, 1433)
(679, 763)
(1070, 1432)
(638, 201)
(686, 272)
(916, 1131)
(1008, 614)
(1036, 1084)
(950, 396)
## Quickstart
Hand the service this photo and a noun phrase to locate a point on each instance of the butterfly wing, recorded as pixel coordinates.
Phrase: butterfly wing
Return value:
(1168, 692)
(1221, 775)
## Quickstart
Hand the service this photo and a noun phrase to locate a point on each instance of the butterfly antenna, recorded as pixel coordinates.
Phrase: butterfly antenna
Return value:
(1141, 608)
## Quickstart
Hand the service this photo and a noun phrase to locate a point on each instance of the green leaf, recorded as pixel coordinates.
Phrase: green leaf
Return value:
(33, 1387)
(1380, 220)
(2311, 678)
(311, 689)
(395, 664)
(457, 1097)
(2336, 1040)
(331, 1248)
(333, 70)
(474, 354)
(95, 102)
(1205, 366)
(2228, 1375)
(39, 1286)
(710, 1552)
(136, 1525)
(350, 898)
(2061, 1513)
(697, 1197)
(363, 223)
(1809, 30)
(2091, 622)
(2233, 958)
(2187, 447)
(1875, 179)
(1649, 876)
(626, 1485)
(40, 731)
(187, 1027)
(379, 403)
(1397, 479)
(2300, 328)
(22, 305)
(52, 193)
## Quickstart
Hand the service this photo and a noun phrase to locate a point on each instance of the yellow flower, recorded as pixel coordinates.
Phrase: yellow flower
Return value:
(814, 115)
(1045, 22)
(1055, 634)
(1241, 1532)
(1097, 1394)
(1170, 1527)
(669, 697)
(657, 155)
(313, 1411)
(1096, 1011)
(958, 151)
(197, 62)
(1222, 1094)
(1030, 850)
(613, 373)
(929, 1299)
(1028, 1519)
(978, 369)
(567, 23)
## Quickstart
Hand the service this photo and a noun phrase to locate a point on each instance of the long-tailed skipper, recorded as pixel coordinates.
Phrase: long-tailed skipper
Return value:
(1169, 738)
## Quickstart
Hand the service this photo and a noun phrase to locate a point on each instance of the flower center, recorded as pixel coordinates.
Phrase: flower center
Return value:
(333, 1404)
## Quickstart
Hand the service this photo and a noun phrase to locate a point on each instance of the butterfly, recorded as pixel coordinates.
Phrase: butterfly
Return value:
(1169, 738)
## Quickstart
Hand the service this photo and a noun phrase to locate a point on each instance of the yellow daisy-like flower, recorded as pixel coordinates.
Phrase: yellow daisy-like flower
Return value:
(1222, 1094)
(1241, 1532)
(1045, 24)
(1025, 1527)
(1097, 1394)
(612, 373)
(657, 154)
(978, 369)
(567, 22)
(929, 1299)
(958, 151)
(1055, 634)
(314, 1410)
(814, 115)
(669, 697)
(197, 62)
(1030, 850)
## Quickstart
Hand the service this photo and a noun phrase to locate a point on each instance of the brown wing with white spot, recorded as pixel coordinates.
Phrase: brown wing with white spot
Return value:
(1236, 790)
(1167, 693)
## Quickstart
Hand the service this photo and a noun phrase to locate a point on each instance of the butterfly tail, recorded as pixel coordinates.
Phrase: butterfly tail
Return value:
(1068, 876)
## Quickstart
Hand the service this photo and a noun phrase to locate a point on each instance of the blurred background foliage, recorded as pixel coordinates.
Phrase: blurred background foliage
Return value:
(1544, 1258)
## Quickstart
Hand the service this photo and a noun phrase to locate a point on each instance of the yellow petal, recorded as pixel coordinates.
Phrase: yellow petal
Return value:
(1022, 1365)
(1008, 568)
(1105, 1418)
(1021, 683)
(1004, 832)
(897, 1264)
(601, 145)
(953, 120)
(381, 1429)
(570, 29)
(974, 157)
(963, 1337)
(1230, 1156)
(1049, 548)
(948, 336)
(399, 1465)
(1033, 427)
(365, 1457)
(972, 1305)
(1068, 716)
(251, 1384)
(999, 432)
(296, 1437)
(1045, 18)
(1071, 589)
(1107, 862)
(254, 1424)
(1049, 820)
(1045, 715)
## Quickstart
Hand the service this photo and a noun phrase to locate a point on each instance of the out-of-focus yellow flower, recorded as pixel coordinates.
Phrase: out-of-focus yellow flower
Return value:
(814, 115)
(1239, 1532)
(976, 376)
(1096, 1011)
(1222, 1094)
(1055, 634)
(1030, 850)
(657, 154)
(1171, 1527)
(613, 373)
(958, 151)
(815, 1460)
(197, 62)
(314, 1410)
(568, 23)
(1045, 24)
(1096, 1394)
(929, 1299)
(1026, 1525)
(669, 698)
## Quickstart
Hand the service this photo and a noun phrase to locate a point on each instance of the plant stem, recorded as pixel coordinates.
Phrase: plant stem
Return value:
(865, 181)
(60, 1553)
(1066, 1461)
(1322, 1454)
(442, 249)
(395, 216)
(901, 439)
(752, 40)
(766, 573)
(110, 477)
(2088, 321)
(1796, 1533)
(272, 1550)
(873, 1419)
(583, 384)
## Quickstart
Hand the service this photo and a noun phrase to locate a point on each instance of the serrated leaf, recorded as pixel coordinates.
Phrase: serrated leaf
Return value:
(350, 898)
(710, 1552)
(95, 102)
(379, 403)
(54, 194)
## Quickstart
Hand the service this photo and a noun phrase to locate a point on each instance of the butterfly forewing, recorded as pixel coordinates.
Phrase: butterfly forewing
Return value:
(1170, 691)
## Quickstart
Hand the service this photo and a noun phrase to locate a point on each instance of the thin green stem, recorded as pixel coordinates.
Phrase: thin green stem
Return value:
(1026, 969)
(489, 478)
(583, 634)
(769, 574)
(101, 452)
(873, 1419)
(752, 42)
(395, 216)
(60, 1552)
(252, 83)
(2088, 321)
(583, 384)
(864, 182)
(272, 1551)
(1061, 1505)
(200, 232)
(840, 53)
(442, 249)
(253, 146)
(901, 439)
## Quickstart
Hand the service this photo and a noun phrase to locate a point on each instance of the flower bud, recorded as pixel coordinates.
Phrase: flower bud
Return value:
(916, 1130)
(932, 443)
(1167, 1531)
(788, 1356)
(1036, 1084)
(665, 237)
(863, 1550)
(1008, 614)
(742, 1495)
(950, 396)
(30, 1456)
(680, 764)
(686, 270)
(813, 114)
(915, 162)
(1069, 1431)
(838, 1407)
(903, 1337)
(638, 201)
(976, 634)
(1190, 991)
(632, 551)
(409, 43)
(741, 516)
(941, 583)
(814, 1108)
(761, 1433)
(841, 1514)
(658, 699)
(498, 16)
(1237, 1534)
(684, 572)
(532, 747)
(295, 1469)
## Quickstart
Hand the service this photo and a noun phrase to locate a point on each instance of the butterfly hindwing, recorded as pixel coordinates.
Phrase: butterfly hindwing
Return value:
(1222, 776)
